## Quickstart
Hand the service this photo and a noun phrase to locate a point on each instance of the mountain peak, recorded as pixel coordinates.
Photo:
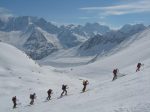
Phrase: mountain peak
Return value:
(130, 28)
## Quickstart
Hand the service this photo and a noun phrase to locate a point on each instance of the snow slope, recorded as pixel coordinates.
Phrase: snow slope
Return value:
(126, 94)
(21, 76)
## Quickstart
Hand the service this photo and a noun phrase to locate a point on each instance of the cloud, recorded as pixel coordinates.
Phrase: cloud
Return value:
(5, 14)
(121, 9)
(89, 17)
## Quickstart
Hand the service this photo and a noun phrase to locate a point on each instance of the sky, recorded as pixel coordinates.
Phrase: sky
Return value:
(113, 13)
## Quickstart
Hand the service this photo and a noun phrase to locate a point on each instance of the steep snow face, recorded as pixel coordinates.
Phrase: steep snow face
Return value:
(17, 60)
(37, 46)
(14, 65)
(100, 44)
(52, 38)
(97, 45)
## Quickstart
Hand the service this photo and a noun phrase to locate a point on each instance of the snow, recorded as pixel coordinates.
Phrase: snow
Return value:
(9, 37)
(65, 58)
(79, 37)
(52, 38)
(126, 94)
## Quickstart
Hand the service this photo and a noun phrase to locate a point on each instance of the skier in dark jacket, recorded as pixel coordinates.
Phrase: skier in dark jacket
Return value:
(14, 100)
(115, 71)
(49, 92)
(32, 97)
(85, 83)
(64, 88)
(138, 67)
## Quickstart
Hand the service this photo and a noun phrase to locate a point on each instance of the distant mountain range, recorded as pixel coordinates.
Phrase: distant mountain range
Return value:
(39, 38)
(100, 44)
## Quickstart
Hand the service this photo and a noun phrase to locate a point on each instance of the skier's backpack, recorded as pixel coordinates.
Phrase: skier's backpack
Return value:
(49, 91)
(64, 87)
(115, 71)
(84, 82)
(139, 64)
(13, 99)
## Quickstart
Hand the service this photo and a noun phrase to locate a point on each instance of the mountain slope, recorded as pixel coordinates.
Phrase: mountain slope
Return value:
(63, 37)
(37, 45)
(7, 58)
(126, 94)
(91, 50)
(20, 76)
(101, 44)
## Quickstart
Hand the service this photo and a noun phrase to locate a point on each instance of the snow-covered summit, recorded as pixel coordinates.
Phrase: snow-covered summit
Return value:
(104, 43)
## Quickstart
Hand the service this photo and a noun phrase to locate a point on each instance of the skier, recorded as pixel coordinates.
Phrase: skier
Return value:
(85, 83)
(115, 71)
(49, 92)
(139, 66)
(14, 100)
(32, 97)
(64, 88)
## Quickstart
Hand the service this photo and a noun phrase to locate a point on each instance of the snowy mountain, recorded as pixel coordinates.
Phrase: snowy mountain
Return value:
(94, 28)
(63, 37)
(37, 45)
(23, 22)
(32, 41)
(71, 35)
(101, 44)
(132, 29)
(22, 76)
(39, 38)
(70, 38)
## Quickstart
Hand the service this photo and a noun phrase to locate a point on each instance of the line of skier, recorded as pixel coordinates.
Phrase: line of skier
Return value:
(116, 71)
(65, 87)
(49, 93)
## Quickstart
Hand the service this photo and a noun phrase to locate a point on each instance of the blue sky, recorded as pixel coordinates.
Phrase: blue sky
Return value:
(113, 13)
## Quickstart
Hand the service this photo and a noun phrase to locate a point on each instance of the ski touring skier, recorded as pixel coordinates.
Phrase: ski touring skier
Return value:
(139, 66)
(115, 72)
(85, 83)
(49, 92)
(64, 88)
(14, 100)
(32, 97)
